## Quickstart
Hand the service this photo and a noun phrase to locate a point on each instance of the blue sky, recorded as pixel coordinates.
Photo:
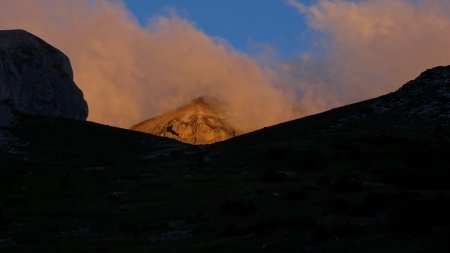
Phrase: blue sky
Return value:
(245, 24)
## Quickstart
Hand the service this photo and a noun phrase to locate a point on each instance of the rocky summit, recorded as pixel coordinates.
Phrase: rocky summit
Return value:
(427, 98)
(200, 122)
(36, 78)
(420, 105)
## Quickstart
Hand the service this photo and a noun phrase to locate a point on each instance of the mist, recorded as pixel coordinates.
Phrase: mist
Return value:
(368, 48)
(129, 72)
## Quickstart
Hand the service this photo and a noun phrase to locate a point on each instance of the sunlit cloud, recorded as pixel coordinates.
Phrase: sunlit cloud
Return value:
(371, 47)
(129, 72)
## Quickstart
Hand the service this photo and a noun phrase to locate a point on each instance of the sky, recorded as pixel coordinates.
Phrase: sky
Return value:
(264, 62)
(247, 25)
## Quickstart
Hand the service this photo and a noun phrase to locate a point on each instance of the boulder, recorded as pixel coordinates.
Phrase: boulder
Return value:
(37, 78)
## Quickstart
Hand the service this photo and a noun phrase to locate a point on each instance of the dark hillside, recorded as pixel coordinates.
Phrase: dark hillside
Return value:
(368, 177)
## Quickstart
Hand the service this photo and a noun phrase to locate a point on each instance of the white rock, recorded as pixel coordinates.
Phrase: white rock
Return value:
(200, 122)
(37, 78)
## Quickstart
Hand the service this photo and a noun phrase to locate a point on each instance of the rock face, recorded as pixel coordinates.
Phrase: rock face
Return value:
(419, 106)
(426, 98)
(7, 121)
(200, 122)
(37, 78)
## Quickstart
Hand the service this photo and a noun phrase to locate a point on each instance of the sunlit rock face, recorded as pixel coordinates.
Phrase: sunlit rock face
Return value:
(200, 122)
(37, 78)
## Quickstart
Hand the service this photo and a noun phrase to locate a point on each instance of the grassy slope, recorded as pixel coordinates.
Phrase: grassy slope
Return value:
(362, 187)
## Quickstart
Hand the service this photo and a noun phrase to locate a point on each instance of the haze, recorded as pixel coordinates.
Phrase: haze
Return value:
(130, 72)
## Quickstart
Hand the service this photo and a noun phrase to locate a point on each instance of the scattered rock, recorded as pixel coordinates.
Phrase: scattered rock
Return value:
(6, 243)
(81, 232)
(177, 231)
(7, 117)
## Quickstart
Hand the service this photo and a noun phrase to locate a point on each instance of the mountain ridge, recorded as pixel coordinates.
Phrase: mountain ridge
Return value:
(367, 177)
(419, 106)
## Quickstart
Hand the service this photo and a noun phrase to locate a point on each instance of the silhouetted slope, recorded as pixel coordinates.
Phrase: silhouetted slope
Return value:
(56, 140)
(420, 106)
(369, 177)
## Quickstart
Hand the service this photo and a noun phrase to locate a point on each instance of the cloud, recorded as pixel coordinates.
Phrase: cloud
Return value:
(370, 47)
(129, 73)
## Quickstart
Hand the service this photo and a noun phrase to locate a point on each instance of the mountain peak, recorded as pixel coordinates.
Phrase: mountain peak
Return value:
(426, 98)
(422, 104)
(436, 73)
(200, 122)
(438, 77)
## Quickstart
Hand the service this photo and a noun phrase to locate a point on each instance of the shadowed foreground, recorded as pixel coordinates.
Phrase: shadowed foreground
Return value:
(368, 177)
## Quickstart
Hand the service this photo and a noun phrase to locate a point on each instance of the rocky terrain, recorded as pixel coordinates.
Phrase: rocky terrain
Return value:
(199, 122)
(37, 78)
(368, 177)
(7, 121)
(427, 98)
